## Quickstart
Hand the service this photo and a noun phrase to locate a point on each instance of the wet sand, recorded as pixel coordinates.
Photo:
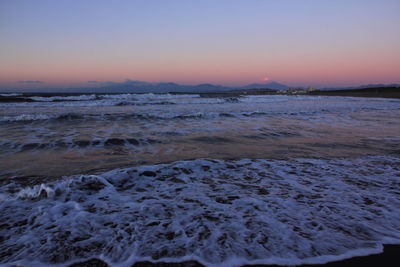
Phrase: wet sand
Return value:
(389, 257)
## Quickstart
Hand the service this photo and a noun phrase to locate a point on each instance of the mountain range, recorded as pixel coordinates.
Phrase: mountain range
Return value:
(132, 86)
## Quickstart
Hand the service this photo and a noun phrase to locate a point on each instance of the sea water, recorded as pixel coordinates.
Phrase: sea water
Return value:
(223, 181)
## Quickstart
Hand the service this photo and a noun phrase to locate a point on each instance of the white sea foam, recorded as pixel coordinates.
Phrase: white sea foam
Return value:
(36, 117)
(25, 117)
(10, 94)
(63, 98)
(221, 213)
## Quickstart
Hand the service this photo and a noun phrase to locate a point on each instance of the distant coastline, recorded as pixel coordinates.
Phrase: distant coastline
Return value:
(385, 92)
(377, 92)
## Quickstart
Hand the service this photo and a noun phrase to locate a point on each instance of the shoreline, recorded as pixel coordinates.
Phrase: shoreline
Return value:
(388, 257)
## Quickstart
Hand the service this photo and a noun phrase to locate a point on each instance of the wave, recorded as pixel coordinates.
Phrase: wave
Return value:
(63, 98)
(109, 102)
(25, 117)
(131, 103)
(36, 117)
(10, 94)
(144, 116)
(110, 97)
(86, 97)
(80, 143)
(218, 212)
(136, 116)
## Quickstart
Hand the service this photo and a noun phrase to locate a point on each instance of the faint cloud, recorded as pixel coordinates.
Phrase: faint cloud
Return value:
(92, 81)
(31, 82)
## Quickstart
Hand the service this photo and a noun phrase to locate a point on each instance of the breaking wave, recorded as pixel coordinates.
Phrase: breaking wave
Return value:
(136, 116)
(25, 117)
(79, 143)
(10, 94)
(64, 98)
(36, 117)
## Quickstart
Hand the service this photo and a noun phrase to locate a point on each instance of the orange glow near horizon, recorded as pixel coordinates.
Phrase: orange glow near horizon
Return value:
(291, 73)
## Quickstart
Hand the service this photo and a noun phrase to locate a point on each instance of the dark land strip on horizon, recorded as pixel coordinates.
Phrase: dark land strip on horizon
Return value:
(378, 92)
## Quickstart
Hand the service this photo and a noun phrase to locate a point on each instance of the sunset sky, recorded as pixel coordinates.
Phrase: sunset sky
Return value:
(321, 43)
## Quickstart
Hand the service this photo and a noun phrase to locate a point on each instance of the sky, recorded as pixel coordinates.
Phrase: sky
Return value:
(319, 43)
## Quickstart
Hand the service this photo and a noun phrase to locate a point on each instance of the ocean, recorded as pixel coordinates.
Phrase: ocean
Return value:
(257, 179)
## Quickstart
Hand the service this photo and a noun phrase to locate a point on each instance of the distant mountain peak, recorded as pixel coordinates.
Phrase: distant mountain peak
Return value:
(266, 85)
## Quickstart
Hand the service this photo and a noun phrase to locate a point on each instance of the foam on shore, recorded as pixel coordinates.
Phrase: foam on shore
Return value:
(220, 213)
